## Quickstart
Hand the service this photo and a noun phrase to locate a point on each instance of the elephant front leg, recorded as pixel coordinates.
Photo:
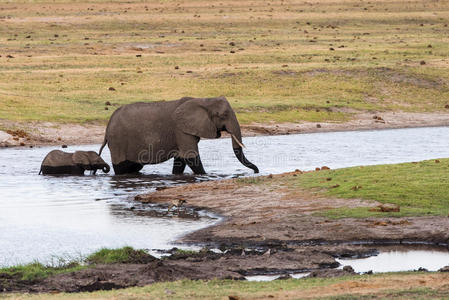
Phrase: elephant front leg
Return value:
(179, 166)
(195, 164)
(188, 152)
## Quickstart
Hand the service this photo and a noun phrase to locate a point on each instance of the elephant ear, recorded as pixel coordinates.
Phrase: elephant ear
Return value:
(81, 158)
(193, 119)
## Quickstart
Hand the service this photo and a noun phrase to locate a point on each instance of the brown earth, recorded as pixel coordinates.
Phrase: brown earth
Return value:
(266, 228)
(47, 133)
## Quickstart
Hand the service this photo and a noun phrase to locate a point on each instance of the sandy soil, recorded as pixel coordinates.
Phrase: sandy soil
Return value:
(46, 133)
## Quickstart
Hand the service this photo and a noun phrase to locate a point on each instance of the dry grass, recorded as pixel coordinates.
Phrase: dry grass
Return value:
(66, 56)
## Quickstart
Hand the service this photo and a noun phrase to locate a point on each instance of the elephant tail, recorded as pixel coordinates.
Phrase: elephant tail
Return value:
(102, 146)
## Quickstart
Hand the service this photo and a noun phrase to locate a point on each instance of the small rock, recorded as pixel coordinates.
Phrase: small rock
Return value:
(348, 269)
(335, 186)
(232, 44)
(437, 161)
(429, 46)
(189, 71)
(317, 169)
(325, 168)
(138, 55)
(331, 49)
(284, 66)
(421, 269)
(270, 176)
(111, 88)
(233, 297)
(232, 51)
(446, 106)
(64, 146)
(444, 269)
(106, 108)
(422, 62)
(318, 125)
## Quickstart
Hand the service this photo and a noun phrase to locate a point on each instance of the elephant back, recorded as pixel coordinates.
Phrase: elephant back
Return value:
(58, 158)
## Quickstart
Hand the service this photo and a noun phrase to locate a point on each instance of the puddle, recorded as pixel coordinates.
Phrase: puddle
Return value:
(396, 261)
(45, 218)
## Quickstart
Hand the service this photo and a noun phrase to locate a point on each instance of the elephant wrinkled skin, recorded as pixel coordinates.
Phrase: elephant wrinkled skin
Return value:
(150, 133)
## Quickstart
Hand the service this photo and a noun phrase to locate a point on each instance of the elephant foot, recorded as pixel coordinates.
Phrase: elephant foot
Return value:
(195, 164)
(126, 167)
(179, 166)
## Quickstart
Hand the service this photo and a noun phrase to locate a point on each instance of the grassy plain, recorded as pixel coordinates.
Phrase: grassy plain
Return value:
(281, 61)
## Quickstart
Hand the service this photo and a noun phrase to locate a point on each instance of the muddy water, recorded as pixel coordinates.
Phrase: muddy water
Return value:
(45, 218)
(395, 261)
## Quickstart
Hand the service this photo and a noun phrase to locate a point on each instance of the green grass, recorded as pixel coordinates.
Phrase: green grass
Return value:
(35, 271)
(122, 255)
(420, 189)
(285, 72)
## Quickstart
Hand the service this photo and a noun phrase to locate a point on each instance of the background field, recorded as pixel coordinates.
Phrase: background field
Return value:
(282, 61)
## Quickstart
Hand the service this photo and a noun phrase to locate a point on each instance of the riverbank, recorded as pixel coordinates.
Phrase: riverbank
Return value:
(297, 222)
(48, 133)
(281, 64)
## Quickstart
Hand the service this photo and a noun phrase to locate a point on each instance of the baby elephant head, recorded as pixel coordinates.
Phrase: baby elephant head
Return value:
(90, 160)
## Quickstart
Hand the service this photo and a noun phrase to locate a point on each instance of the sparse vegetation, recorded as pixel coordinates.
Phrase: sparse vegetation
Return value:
(292, 60)
(35, 271)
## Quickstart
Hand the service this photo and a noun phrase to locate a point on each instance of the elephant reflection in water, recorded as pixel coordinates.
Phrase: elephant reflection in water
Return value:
(151, 133)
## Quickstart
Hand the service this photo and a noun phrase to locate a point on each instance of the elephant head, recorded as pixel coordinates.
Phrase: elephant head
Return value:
(90, 160)
(207, 117)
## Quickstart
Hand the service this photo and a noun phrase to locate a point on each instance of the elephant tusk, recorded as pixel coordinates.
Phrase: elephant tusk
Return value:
(237, 141)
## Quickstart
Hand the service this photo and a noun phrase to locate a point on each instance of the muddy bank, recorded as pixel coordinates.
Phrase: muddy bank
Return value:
(46, 133)
(267, 228)
(262, 214)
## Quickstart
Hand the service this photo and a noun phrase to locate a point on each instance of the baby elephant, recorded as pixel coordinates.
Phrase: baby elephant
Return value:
(60, 162)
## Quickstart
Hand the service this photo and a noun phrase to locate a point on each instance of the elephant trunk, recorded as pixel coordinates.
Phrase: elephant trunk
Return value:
(106, 168)
(233, 128)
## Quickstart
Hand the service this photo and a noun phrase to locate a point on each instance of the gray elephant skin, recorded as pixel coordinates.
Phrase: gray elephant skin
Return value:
(150, 133)
(60, 162)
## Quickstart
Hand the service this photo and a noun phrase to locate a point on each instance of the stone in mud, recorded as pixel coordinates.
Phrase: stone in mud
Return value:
(444, 269)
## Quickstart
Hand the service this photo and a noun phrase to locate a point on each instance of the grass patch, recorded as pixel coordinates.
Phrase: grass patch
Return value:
(122, 255)
(272, 63)
(420, 189)
(36, 271)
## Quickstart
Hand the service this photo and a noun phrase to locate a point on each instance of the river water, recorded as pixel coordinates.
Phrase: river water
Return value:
(47, 218)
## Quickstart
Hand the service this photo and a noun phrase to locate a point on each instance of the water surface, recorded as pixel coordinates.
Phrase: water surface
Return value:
(46, 217)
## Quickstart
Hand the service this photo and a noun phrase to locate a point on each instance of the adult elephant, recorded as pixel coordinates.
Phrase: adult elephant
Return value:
(150, 133)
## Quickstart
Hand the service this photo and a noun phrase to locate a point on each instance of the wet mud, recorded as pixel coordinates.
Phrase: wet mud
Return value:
(265, 230)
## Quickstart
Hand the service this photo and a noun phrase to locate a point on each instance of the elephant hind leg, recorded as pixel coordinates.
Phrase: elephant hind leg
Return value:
(126, 167)
(179, 166)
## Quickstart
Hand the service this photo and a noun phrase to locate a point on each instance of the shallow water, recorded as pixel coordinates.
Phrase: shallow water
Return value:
(44, 217)
(396, 261)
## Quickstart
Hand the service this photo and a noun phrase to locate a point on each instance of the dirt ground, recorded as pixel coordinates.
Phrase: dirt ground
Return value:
(265, 229)
(47, 133)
